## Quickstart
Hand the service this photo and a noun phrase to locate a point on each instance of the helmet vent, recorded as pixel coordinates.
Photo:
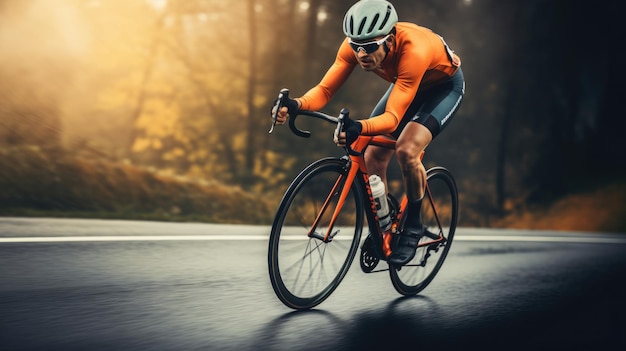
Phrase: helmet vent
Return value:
(386, 18)
(361, 26)
(369, 30)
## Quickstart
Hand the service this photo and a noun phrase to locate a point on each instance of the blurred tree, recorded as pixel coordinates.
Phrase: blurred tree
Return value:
(252, 112)
(138, 105)
(514, 55)
(111, 87)
(35, 70)
(563, 73)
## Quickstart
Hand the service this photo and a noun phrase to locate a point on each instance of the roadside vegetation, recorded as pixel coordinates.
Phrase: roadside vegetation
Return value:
(38, 183)
(602, 208)
(41, 183)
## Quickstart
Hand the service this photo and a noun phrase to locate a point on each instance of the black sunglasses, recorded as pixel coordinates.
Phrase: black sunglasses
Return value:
(368, 47)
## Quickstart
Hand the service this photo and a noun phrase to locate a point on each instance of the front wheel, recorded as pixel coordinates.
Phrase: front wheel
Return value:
(304, 269)
(439, 214)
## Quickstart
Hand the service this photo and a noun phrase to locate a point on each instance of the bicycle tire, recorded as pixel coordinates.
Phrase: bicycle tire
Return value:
(416, 275)
(304, 271)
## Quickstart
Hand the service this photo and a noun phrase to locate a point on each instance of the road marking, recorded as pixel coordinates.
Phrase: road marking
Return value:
(555, 239)
(119, 238)
(57, 239)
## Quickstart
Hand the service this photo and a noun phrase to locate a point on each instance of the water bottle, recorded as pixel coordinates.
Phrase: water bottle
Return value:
(380, 197)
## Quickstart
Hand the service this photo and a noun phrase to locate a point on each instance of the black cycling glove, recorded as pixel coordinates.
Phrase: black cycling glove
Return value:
(353, 130)
(291, 104)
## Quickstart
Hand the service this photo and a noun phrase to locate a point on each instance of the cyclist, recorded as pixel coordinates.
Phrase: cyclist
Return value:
(426, 90)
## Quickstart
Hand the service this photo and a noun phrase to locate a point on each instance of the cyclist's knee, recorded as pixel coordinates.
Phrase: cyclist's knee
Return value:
(409, 153)
(413, 140)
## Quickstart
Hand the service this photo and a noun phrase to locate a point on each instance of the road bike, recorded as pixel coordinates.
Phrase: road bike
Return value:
(318, 225)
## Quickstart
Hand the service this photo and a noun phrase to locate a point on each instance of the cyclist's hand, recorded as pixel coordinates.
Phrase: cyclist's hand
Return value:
(352, 129)
(290, 109)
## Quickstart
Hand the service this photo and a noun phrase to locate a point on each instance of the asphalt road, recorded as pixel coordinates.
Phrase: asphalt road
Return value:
(127, 285)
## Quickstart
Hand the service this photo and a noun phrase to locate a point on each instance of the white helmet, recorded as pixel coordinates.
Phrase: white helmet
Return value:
(369, 18)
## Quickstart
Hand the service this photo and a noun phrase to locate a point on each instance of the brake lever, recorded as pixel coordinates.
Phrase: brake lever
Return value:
(279, 104)
(340, 123)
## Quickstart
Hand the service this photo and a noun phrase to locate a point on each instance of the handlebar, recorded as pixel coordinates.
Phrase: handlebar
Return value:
(281, 101)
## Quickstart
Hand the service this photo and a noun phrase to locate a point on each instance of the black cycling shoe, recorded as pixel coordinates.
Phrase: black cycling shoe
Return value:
(405, 248)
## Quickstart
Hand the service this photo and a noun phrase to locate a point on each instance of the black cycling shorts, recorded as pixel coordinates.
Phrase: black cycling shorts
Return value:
(432, 108)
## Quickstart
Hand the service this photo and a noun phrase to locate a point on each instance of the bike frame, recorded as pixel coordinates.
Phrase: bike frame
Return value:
(305, 265)
(357, 170)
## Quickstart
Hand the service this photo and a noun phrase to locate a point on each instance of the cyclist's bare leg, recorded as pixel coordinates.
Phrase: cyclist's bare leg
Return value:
(409, 146)
(412, 141)
(377, 160)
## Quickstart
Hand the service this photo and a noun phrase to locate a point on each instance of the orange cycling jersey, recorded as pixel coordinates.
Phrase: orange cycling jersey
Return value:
(419, 60)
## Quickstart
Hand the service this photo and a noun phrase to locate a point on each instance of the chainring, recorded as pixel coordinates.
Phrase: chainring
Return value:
(368, 260)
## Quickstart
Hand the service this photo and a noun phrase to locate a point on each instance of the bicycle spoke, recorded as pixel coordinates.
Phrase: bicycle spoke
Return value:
(439, 214)
(305, 270)
(309, 255)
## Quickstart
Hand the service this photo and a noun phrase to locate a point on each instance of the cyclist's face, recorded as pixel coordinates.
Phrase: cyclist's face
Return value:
(371, 61)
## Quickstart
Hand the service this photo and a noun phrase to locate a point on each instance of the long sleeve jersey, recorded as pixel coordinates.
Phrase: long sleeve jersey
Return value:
(419, 60)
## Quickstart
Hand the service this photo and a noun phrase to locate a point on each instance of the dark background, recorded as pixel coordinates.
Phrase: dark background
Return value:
(184, 88)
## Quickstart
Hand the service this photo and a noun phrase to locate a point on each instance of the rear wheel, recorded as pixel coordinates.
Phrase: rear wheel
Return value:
(305, 270)
(439, 214)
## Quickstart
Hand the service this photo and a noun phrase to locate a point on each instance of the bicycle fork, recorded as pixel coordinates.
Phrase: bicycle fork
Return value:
(349, 180)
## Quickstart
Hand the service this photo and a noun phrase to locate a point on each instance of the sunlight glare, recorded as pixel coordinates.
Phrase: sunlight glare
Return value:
(322, 16)
(158, 4)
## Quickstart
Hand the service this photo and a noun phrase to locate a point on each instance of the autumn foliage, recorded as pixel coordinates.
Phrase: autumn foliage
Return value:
(34, 181)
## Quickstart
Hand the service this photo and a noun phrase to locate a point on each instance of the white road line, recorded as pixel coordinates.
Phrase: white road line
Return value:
(133, 238)
(589, 239)
(119, 238)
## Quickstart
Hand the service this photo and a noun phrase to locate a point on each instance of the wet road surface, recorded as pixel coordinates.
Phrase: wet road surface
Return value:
(125, 285)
